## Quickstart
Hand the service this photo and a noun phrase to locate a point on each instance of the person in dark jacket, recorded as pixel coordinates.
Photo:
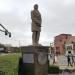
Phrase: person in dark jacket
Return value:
(69, 58)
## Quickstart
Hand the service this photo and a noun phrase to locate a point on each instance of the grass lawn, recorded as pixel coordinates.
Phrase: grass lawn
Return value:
(9, 64)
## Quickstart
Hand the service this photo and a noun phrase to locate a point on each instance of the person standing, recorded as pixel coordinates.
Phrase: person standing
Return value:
(36, 25)
(55, 59)
(73, 62)
(69, 58)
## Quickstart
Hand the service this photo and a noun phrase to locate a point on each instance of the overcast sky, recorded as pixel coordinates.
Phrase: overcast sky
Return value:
(58, 16)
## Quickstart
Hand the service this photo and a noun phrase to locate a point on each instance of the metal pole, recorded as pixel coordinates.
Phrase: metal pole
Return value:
(2, 30)
(5, 30)
(3, 27)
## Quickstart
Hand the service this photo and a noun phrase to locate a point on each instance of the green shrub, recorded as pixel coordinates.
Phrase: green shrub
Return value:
(53, 69)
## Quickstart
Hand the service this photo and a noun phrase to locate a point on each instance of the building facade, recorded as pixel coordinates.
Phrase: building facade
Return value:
(61, 40)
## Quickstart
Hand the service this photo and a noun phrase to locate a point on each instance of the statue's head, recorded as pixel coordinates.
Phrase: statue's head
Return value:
(36, 6)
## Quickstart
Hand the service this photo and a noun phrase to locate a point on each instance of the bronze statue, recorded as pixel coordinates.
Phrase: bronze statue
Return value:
(36, 25)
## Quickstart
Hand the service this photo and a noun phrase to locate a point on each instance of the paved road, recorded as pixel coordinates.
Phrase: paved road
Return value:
(3, 54)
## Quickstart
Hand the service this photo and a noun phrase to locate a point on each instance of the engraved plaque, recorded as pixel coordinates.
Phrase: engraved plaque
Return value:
(42, 58)
(28, 58)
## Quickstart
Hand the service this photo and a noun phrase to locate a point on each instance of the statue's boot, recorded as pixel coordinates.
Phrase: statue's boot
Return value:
(35, 44)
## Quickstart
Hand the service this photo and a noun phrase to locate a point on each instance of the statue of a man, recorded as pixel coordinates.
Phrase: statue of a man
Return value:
(36, 25)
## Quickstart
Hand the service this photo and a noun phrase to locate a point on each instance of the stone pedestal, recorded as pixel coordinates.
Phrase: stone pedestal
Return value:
(36, 58)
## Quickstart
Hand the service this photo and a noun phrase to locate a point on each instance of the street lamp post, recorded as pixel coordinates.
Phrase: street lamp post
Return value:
(51, 44)
(5, 30)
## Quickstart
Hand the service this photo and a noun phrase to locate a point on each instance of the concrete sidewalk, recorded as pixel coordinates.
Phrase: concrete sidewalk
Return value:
(63, 67)
(62, 63)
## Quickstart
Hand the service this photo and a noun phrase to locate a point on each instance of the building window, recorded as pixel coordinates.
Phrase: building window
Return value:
(60, 40)
(69, 48)
(66, 36)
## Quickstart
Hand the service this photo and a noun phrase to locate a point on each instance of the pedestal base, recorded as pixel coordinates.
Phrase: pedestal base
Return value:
(36, 56)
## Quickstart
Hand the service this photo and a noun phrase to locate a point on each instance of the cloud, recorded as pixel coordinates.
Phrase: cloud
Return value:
(6, 6)
(58, 17)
